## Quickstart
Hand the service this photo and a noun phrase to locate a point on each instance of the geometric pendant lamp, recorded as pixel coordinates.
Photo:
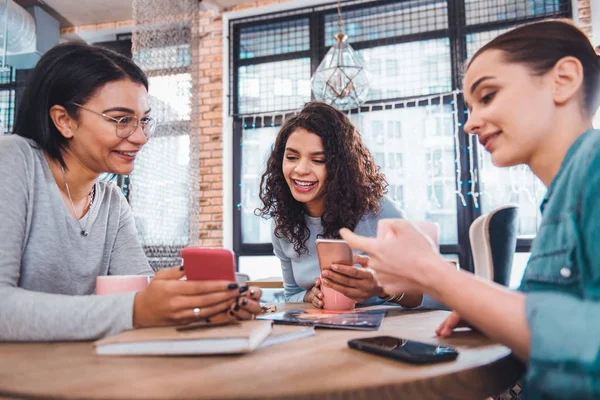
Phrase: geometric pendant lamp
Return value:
(341, 80)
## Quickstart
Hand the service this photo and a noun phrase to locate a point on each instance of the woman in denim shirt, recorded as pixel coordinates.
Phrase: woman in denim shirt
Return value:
(532, 93)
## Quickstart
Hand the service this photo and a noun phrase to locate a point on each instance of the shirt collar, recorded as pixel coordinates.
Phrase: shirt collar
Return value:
(566, 161)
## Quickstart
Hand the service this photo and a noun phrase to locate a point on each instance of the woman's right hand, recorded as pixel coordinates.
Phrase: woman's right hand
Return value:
(169, 300)
(452, 322)
(314, 295)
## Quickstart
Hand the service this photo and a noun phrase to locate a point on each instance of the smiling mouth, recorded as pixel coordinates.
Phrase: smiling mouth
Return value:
(486, 140)
(304, 184)
(131, 154)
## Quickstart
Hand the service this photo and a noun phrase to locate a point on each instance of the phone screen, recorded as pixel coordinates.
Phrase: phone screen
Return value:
(405, 350)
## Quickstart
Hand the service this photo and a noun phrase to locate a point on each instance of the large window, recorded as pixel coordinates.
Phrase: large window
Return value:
(12, 83)
(415, 51)
(165, 182)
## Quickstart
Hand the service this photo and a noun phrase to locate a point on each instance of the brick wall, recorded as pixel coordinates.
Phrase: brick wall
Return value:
(210, 85)
(584, 12)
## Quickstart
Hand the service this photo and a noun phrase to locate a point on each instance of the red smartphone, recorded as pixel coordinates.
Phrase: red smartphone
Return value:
(333, 251)
(208, 264)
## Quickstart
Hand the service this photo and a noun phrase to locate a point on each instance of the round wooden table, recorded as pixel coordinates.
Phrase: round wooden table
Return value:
(318, 367)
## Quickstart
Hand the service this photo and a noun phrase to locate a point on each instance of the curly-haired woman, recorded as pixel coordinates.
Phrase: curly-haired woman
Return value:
(321, 177)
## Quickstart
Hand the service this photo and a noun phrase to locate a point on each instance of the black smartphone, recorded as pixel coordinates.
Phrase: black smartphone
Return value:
(404, 350)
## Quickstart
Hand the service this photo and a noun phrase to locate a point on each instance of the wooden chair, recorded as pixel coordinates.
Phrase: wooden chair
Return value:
(493, 239)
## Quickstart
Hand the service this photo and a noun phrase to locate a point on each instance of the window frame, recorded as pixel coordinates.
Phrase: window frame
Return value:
(456, 31)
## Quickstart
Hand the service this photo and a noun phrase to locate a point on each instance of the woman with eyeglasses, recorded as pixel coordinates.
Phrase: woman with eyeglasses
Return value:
(532, 93)
(83, 113)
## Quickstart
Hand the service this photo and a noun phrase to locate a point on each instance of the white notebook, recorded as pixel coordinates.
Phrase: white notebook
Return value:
(242, 337)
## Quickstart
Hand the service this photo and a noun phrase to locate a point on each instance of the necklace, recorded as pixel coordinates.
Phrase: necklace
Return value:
(84, 231)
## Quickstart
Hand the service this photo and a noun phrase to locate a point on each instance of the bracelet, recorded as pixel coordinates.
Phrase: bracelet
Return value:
(395, 298)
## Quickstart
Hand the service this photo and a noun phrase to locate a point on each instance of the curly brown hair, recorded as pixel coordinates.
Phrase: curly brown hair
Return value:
(353, 187)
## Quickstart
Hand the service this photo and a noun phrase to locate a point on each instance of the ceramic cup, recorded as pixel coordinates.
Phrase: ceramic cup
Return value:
(334, 300)
(110, 284)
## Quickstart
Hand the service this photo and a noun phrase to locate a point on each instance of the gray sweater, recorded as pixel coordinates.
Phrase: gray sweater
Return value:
(47, 268)
(300, 272)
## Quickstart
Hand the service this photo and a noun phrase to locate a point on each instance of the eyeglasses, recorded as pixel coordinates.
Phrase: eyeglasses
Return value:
(126, 126)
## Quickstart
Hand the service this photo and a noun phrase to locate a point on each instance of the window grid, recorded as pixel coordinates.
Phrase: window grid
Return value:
(283, 85)
(437, 35)
(488, 11)
(274, 39)
(388, 20)
(8, 75)
(7, 110)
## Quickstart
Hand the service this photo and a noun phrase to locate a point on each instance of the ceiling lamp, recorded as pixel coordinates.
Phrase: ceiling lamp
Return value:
(341, 80)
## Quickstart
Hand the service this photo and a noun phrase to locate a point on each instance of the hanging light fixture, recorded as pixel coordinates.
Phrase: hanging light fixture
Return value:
(341, 80)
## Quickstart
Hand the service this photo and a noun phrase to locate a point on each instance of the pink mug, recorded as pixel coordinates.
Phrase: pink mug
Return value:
(109, 284)
(334, 300)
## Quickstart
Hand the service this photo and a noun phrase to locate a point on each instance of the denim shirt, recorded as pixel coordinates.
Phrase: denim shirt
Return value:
(562, 281)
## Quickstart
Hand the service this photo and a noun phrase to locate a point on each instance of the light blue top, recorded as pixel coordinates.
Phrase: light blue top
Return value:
(300, 272)
(562, 281)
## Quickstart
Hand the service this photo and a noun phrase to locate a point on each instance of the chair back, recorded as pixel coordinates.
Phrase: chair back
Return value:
(493, 240)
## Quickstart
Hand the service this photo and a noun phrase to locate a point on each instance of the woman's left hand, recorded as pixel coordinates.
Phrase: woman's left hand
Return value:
(359, 284)
(403, 257)
(247, 305)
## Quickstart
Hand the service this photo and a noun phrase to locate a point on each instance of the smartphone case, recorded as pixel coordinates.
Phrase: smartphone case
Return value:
(333, 251)
(205, 264)
(406, 356)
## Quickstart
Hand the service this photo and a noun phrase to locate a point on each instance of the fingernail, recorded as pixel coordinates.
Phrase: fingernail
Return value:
(244, 302)
(334, 267)
(326, 273)
(236, 308)
(243, 289)
(181, 268)
(232, 286)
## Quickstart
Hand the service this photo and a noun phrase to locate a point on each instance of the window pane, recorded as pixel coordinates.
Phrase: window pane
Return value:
(7, 111)
(163, 58)
(514, 185)
(274, 38)
(275, 86)
(486, 11)
(256, 148)
(170, 97)
(160, 196)
(260, 267)
(8, 75)
(423, 186)
(389, 20)
(422, 68)
(477, 40)
(519, 264)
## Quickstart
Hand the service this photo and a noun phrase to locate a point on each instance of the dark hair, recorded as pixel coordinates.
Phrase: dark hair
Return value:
(353, 187)
(542, 44)
(68, 73)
